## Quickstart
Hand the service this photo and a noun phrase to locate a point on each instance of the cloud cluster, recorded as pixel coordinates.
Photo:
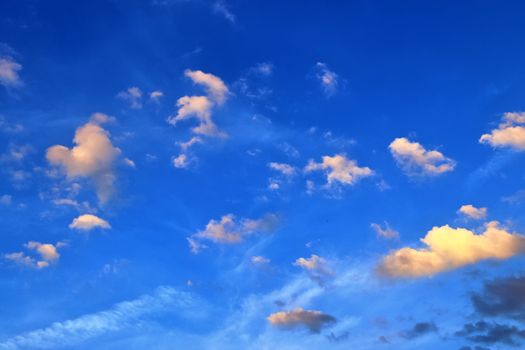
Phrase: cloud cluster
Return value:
(448, 248)
(312, 319)
(415, 160)
(510, 132)
(470, 211)
(87, 222)
(492, 333)
(228, 230)
(9, 69)
(47, 254)
(339, 170)
(93, 156)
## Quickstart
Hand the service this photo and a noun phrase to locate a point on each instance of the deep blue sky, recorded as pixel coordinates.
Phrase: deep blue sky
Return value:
(289, 83)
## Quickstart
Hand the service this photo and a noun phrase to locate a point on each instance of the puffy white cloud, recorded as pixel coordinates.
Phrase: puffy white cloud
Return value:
(9, 69)
(88, 222)
(312, 319)
(415, 160)
(283, 168)
(449, 248)
(181, 161)
(47, 252)
(92, 157)
(329, 79)
(198, 107)
(472, 212)
(386, 232)
(155, 96)
(339, 169)
(510, 132)
(214, 86)
(133, 96)
(228, 230)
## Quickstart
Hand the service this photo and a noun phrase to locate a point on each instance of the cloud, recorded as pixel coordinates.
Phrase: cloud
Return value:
(9, 69)
(122, 316)
(415, 160)
(259, 260)
(311, 319)
(181, 161)
(92, 157)
(283, 168)
(221, 8)
(264, 69)
(6, 199)
(328, 79)
(510, 132)
(492, 333)
(420, 329)
(316, 266)
(155, 96)
(230, 231)
(87, 222)
(470, 211)
(386, 232)
(502, 297)
(133, 96)
(214, 86)
(449, 248)
(47, 252)
(339, 169)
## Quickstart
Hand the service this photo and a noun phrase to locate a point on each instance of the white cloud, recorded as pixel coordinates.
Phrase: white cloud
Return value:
(92, 157)
(214, 86)
(87, 222)
(329, 79)
(47, 252)
(155, 96)
(472, 212)
(283, 168)
(228, 230)
(221, 8)
(312, 319)
(9, 69)
(259, 260)
(264, 69)
(133, 96)
(386, 232)
(449, 248)
(415, 160)
(181, 161)
(510, 132)
(339, 169)
(198, 107)
(316, 266)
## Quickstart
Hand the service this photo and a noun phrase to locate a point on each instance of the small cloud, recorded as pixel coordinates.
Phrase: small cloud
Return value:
(155, 96)
(384, 232)
(311, 319)
(130, 163)
(340, 170)
(9, 70)
(316, 266)
(47, 254)
(220, 7)
(181, 161)
(89, 222)
(6, 199)
(510, 132)
(259, 260)
(420, 329)
(471, 212)
(328, 79)
(264, 69)
(133, 96)
(283, 168)
(415, 160)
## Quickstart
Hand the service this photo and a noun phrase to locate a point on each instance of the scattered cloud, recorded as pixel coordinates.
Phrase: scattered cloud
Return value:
(328, 79)
(9, 72)
(492, 333)
(47, 254)
(133, 96)
(155, 96)
(87, 222)
(471, 212)
(8, 127)
(339, 169)
(214, 86)
(415, 160)
(420, 329)
(264, 69)
(259, 260)
(510, 132)
(384, 232)
(316, 266)
(449, 248)
(502, 297)
(283, 168)
(92, 157)
(311, 319)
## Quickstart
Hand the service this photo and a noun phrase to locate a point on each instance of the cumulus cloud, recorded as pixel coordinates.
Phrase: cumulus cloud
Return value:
(470, 211)
(181, 161)
(312, 319)
(133, 96)
(415, 160)
(47, 254)
(339, 169)
(214, 86)
(228, 230)
(449, 248)
(9, 69)
(87, 222)
(510, 132)
(93, 156)
(384, 232)
(328, 79)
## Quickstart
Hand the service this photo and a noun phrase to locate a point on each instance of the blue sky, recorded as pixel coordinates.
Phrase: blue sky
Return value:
(256, 174)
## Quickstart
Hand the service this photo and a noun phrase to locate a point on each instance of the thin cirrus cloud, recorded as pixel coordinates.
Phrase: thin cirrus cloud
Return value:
(228, 230)
(415, 160)
(283, 168)
(311, 319)
(385, 232)
(339, 170)
(9, 72)
(88, 222)
(47, 255)
(509, 134)
(471, 212)
(93, 156)
(448, 248)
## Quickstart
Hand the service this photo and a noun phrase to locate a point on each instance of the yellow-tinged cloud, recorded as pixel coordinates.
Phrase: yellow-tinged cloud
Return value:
(510, 132)
(472, 212)
(92, 157)
(339, 169)
(415, 160)
(88, 222)
(449, 248)
(312, 319)
(48, 255)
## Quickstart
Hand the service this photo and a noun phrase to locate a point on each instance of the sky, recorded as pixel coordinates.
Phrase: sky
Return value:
(230, 174)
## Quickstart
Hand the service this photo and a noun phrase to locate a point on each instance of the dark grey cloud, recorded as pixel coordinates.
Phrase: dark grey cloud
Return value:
(420, 329)
(492, 333)
(502, 297)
